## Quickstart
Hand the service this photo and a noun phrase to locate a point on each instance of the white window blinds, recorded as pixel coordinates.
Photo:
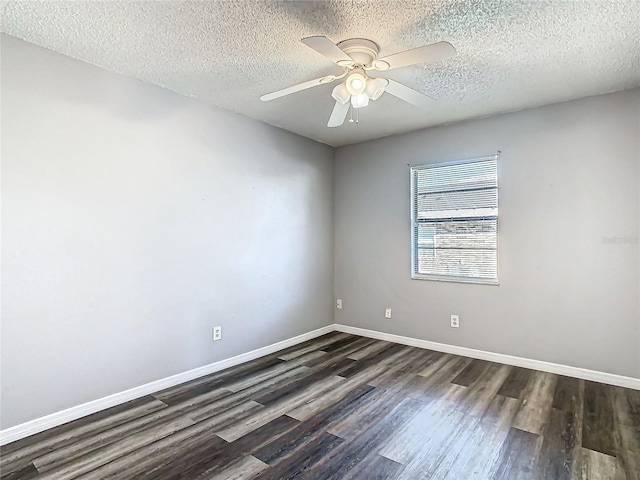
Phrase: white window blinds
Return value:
(454, 217)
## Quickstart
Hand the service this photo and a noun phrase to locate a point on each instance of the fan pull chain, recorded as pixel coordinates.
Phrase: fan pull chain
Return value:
(351, 119)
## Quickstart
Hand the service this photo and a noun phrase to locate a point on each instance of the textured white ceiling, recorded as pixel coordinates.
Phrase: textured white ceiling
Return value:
(511, 54)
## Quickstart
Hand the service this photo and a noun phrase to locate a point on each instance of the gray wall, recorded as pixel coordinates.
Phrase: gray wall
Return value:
(568, 176)
(133, 221)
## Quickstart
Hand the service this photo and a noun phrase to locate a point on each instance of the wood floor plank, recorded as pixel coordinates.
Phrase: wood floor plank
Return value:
(626, 432)
(432, 419)
(305, 432)
(471, 372)
(326, 359)
(290, 389)
(199, 407)
(515, 383)
(357, 393)
(477, 455)
(517, 459)
(342, 365)
(320, 344)
(597, 432)
(308, 457)
(23, 473)
(446, 437)
(62, 455)
(247, 468)
(479, 397)
(370, 360)
(372, 349)
(60, 437)
(430, 385)
(404, 370)
(435, 364)
(317, 343)
(569, 391)
(266, 434)
(376, 467)
(202, 459)
(146, 402)
(249, 380)
(599, 466)
(185, 391)
(171, 448)
(361, 449)
(628, 402)
(332, 347)
(196, 408)
(388, 365)
(537, 399)
(329, 367)
(632, 405)
(560, 452)
(282, 382)
(463, 445)
(379, 403)
(237, 378)
(628, 449)
(111, 452)
(280, 408)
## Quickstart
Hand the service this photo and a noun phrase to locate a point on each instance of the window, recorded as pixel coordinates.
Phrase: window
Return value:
(454, 221)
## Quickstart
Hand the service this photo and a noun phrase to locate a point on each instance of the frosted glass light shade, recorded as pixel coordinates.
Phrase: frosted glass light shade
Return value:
(356, 83)
(359, 101)
(341, 94)
(375, 87)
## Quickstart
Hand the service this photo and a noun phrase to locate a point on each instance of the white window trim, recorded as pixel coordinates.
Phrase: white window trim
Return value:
(447, 278)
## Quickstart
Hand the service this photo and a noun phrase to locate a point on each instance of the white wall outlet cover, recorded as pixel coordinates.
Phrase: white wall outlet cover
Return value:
(387, 313)
(339, 303)
(217, 333)
(455, 321)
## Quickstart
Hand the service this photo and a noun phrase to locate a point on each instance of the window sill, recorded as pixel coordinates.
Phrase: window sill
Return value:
(443, 278)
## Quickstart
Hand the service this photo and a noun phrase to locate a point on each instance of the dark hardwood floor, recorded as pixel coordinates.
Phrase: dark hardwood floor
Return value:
(347, 407)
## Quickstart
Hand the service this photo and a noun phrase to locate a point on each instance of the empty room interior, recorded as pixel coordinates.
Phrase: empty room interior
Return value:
(320, 240)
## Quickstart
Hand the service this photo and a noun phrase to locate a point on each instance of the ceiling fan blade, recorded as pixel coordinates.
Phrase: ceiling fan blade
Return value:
(426, 54)
(338, 114)
(409, 95)
(326, 47)
(298, 87)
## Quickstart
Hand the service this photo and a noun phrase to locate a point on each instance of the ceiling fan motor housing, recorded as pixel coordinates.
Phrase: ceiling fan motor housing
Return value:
(363, 51)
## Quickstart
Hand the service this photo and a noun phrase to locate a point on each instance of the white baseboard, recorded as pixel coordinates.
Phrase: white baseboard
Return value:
(37, 425)
(593, 375)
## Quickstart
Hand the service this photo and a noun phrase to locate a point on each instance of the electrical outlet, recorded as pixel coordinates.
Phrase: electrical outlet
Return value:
(217, 333)
(455, 321)
(339, 304)
(387, 313)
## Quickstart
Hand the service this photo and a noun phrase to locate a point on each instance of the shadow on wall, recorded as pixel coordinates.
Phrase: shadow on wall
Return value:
(127, 98)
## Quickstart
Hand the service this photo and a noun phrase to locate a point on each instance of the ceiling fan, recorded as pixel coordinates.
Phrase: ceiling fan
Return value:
(358, 56)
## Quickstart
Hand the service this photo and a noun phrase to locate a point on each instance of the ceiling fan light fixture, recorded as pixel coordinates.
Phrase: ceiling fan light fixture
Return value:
(359, 101)
(341, 94)
(356, 82)
(357, 56)
(375, 87)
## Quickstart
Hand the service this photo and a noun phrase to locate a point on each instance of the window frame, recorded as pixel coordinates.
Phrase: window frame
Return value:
(413, 206)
